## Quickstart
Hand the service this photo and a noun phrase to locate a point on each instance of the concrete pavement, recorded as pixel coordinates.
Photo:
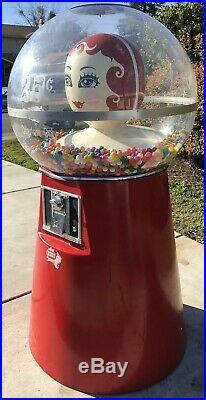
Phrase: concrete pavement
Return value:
(22, 377)
(7, 132)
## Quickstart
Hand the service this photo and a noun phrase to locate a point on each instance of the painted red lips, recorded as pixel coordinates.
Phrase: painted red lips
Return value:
(78, 104)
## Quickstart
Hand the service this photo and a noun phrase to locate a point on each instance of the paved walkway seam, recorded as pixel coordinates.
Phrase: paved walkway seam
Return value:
(16, 297)
(20, 190)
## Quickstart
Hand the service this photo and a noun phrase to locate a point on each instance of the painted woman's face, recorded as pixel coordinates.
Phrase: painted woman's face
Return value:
(85, 81)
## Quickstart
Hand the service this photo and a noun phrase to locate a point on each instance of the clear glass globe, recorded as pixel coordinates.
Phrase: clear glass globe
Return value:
(102, 90)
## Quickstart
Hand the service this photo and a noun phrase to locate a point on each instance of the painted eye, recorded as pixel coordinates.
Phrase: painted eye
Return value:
(68, 80)
(88, 81)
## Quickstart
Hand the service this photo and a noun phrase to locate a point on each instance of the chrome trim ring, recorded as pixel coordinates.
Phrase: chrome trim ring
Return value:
(43, 116)
(65, 178)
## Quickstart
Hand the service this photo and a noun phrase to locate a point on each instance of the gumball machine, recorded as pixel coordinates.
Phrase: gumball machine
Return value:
(103, 97)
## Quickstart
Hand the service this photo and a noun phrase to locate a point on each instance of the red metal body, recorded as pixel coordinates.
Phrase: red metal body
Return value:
(117, 296)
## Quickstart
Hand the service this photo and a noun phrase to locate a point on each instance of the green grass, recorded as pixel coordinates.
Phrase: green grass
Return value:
(12, 151)
(186, 188)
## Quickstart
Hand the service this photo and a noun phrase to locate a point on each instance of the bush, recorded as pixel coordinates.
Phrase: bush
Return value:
(185, 20)
(195, 146)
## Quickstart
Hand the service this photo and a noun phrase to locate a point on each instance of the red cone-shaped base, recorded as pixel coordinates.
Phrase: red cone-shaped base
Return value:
(116, 296)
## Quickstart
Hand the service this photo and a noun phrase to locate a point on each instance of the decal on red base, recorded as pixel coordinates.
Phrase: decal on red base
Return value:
(53, 257)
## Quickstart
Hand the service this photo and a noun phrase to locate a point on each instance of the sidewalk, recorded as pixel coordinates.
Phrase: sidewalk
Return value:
(7, 131)
(21, 374)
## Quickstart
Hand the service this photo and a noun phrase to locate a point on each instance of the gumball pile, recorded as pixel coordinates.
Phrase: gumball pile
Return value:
(101, 161)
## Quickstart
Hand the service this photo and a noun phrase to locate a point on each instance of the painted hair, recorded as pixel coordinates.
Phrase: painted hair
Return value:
(128, 82)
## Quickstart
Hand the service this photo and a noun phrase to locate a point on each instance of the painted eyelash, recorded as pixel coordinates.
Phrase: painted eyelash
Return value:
(87, 75)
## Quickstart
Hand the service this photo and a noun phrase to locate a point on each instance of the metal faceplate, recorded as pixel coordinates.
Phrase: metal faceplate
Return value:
(62, 214)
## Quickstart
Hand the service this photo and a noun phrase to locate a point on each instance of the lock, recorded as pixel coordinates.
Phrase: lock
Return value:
(62, 214)
(57, 202)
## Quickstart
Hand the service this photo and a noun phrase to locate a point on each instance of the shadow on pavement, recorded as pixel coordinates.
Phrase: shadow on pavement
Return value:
(187, 379)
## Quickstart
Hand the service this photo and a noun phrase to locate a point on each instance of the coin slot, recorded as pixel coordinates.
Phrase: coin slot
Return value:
(62, 214)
